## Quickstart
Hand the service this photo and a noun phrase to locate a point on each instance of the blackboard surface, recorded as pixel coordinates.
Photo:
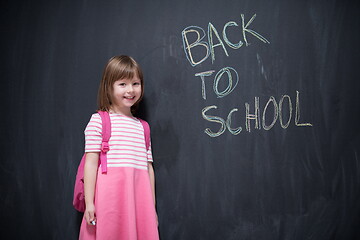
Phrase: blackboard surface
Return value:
(254, 108)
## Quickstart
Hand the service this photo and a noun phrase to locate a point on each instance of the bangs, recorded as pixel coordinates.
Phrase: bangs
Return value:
(125, 69)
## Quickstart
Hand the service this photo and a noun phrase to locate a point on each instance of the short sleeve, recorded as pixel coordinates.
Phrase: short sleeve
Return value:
(93, 134)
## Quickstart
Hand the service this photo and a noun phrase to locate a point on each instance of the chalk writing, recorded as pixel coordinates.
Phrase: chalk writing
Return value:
(198, 42)
(213, 33)
(245, 29)
(255, 116)
(297, 114)
(211, 30)
(230, 87)
(230, 44)
(202, 75)
(197, 49)
(290, 110)
(277, 111)
(232, 83)
(234, 131)
(216, 119)
(224, 124)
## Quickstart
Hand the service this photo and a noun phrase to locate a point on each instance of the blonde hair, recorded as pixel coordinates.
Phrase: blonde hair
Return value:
(117, 68)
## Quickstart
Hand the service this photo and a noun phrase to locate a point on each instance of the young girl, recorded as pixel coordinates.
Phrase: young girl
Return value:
(120, 204)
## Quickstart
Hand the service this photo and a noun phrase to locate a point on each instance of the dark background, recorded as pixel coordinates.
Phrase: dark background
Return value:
(294, 183)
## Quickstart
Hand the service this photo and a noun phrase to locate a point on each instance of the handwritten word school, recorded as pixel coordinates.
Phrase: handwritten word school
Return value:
(198, 49)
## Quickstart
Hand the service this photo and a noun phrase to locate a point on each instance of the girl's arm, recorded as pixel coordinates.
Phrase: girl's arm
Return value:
(152, 182)
(152, 179)
(90, 172)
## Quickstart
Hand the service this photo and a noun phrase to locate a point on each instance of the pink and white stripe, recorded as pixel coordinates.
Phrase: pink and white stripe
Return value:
(127, 142)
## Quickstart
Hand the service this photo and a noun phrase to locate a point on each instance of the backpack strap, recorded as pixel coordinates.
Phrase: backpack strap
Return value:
(146, 133)
(106, 133)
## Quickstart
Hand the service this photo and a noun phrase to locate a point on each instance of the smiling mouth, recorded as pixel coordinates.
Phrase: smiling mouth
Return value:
(130, 98)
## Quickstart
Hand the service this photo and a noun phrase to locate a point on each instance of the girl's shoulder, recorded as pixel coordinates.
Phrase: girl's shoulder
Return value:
(94, 124)
(142, 121)
(95, 118)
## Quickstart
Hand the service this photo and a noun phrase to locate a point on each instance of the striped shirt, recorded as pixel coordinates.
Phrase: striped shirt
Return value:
(126, 144)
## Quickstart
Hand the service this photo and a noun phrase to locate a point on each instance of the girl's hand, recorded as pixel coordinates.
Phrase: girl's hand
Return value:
(89, 214)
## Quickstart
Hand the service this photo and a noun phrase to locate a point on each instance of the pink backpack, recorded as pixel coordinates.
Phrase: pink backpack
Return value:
(79, 196)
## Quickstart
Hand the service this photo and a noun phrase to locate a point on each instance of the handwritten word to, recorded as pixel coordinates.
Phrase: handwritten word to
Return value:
(256, 116)
(232, 83)
(213, 34)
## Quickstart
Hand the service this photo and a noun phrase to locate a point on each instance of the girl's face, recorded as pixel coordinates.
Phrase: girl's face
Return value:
(126, 92)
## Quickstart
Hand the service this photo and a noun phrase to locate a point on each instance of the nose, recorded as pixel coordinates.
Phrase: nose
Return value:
(129, 89)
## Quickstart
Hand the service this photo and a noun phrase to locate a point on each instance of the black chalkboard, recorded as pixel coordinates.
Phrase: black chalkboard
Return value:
(253, 105)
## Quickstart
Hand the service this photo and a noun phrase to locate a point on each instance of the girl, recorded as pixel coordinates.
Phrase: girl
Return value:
(120, 204)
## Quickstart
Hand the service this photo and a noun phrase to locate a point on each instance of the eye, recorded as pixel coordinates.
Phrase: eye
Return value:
(122, 84)
(137, 83)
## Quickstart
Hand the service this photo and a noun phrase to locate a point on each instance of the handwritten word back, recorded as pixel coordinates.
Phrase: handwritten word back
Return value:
(214, 34)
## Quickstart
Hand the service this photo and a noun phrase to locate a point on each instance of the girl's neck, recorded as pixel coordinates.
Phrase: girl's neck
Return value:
(117, 110)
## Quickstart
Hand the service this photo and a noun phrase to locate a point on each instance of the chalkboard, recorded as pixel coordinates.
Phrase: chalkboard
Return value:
(253, 106)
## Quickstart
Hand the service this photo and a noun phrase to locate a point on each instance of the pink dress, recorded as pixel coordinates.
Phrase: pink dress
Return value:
(123, 196)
